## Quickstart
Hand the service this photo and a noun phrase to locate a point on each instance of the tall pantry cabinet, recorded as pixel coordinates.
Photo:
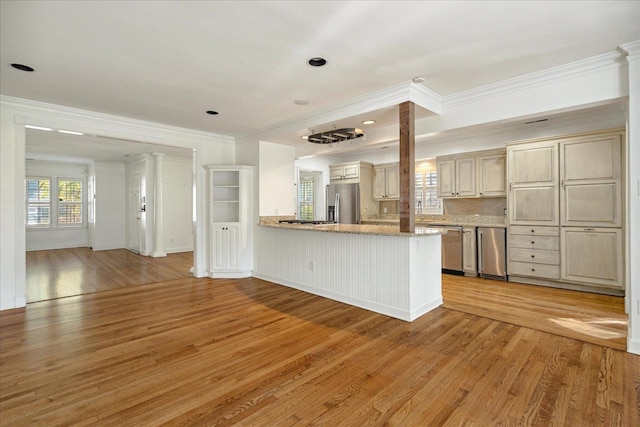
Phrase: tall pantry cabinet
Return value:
(565, 212)
(230, 214)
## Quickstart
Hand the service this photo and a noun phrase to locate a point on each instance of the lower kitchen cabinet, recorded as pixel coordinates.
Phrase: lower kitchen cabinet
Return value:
(534, 251)
(224, 247)
(469, 262)
(593, 256)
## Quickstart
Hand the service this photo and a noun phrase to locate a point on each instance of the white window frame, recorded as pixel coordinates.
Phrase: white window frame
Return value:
(425, 191)
(48, 203)
(82, 203)
(303, 201)
(54, 203)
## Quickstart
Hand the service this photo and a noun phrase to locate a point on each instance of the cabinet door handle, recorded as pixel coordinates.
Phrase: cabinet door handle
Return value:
(533, 242)
(533, 231)
(509, 186)
(533, 256)
(533, 269)
(562, 183)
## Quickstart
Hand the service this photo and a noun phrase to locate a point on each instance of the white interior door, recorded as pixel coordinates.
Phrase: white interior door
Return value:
(135, 214)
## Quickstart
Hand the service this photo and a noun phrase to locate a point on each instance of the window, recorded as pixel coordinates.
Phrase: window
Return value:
(306, 199)
(45, 211)
(70, 202)
(38, 202)
(427, 201)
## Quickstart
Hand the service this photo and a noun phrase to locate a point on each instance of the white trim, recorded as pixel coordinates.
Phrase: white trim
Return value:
(111, 126)
(407, 315)
(229, 274)
(566, 71)
(384, 98)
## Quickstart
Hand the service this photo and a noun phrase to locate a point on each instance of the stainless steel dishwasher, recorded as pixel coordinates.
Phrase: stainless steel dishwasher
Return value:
(492, 247)
(451, 249)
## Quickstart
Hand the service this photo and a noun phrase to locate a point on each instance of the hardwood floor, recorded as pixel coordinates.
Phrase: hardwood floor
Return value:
(598, 319)
(249, 352)
(67, 272)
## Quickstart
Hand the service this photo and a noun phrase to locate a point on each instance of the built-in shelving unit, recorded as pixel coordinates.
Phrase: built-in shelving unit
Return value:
(230, 212)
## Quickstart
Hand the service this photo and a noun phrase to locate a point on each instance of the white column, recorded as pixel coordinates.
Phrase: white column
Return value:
(632, 299)
(158, 237)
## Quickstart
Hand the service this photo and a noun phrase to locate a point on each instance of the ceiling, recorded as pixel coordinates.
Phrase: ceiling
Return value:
(171, 61)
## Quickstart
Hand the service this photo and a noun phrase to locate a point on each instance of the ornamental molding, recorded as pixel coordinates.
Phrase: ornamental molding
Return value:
(566, 71)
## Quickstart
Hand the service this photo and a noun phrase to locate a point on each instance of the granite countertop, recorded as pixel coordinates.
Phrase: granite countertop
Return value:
(380, 230)
(464, 222)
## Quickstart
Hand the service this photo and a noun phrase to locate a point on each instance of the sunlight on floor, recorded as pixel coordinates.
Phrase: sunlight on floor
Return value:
(601, 328)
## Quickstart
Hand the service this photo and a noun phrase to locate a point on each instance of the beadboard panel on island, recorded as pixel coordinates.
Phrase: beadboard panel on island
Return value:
(394, 275)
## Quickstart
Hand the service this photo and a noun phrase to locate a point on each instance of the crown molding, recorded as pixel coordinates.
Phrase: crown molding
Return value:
(631, 49)
(33, 112)
(394, 95)
(615, 58)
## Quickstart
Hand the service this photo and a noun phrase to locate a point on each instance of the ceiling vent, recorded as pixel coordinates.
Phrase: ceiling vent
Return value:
(336, 135)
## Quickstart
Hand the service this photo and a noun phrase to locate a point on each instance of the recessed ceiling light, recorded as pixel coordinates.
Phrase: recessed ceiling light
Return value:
(213, 113)
(317, 62)
(368, 122)
(70, 132)
(22, 67)
(301, 102)
(305, 137)
(37, 127)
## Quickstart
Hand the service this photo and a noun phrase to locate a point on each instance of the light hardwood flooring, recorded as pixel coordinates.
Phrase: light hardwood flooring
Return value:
(68, 272)
(248, 352)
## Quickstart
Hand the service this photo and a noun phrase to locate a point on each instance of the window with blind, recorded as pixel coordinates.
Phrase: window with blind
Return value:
(70, 202)
(427, 201)
(306, 199)
(38, 202)
(62, 209)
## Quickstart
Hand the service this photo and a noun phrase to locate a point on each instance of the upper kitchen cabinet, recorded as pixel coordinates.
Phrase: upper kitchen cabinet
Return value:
(456, 176)
(350, 171)
(492, 174)
(533, 183)
(590, 181)
(386, 182)
(476, 174)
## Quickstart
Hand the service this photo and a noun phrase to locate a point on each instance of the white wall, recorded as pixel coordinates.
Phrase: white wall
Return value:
(277, 179)
(177, 204)
(15, 113)
(55, 237)
(109, 228)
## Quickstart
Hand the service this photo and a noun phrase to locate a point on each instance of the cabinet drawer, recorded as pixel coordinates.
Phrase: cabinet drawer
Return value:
(534, 242)
(537, 256)
(534, 230)
(534, 270)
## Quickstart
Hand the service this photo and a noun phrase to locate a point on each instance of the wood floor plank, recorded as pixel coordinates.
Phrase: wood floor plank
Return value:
(209, 352)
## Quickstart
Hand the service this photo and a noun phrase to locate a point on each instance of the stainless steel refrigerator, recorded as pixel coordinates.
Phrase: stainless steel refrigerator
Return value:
(492, 247)
(343, 203)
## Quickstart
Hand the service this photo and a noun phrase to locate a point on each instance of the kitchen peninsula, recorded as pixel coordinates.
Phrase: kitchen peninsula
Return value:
(373, 267)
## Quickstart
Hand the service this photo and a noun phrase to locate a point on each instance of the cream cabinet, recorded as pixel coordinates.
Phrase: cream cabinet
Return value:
(230, 207)
(456, 177)
(474, 174)
(565, 211)
(593, 255)
(590, 181)
(344, 171)
(534, 251)
(533, 183)
(386, 182)
(469, 262)
(492, 175)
